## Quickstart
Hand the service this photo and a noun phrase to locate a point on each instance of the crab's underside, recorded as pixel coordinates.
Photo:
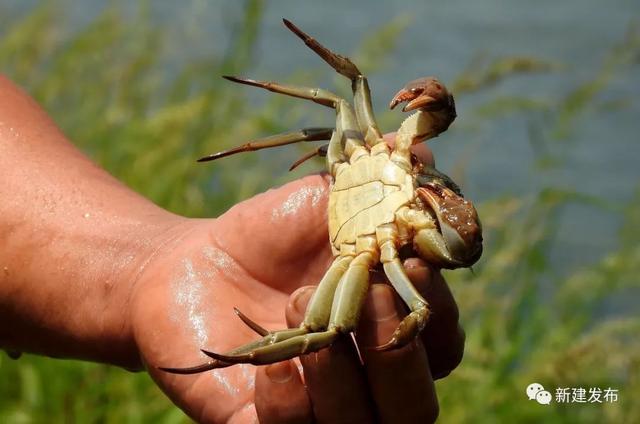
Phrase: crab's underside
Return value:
(382, 199)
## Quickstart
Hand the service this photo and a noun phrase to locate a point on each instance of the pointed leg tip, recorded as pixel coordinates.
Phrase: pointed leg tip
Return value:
(214, 156)
(250, 323)
(231, 78)
(289, 24)
(390, 345)
(222, 154)
(213, 355)
(297, 163)
(293, 28)
(239, 80)
(381, 348)
(194, 370)
(224, 358)
(172, 370)
(246, 81)
(209, 353)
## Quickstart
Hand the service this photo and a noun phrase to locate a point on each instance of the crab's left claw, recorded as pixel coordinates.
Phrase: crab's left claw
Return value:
(457, 242)
(427, 94)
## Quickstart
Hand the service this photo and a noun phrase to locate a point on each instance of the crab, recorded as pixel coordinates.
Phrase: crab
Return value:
(382, 200)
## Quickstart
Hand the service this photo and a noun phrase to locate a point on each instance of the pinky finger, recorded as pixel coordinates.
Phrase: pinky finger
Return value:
(281, 396)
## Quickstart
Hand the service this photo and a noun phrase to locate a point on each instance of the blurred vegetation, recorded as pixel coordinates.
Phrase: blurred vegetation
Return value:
(106, 86)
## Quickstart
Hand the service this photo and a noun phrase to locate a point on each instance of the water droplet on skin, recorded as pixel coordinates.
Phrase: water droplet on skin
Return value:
(248, 372)
(189, 293)
(220, 376)
(298, 199)
(220, 259)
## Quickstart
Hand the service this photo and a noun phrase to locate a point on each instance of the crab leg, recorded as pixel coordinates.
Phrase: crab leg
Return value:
(347, 137)
(305, 134)
(346, 141)
(351, 139)
(345, 311)
(319, 309)
(277, 343)
(351, 293)
(344, 66)
(271, 338)
(317, 318)
(207, 366)
(251, 323)
(413, 323)
(317, 95)
(276, 337)
(364, 112)
(320, 151)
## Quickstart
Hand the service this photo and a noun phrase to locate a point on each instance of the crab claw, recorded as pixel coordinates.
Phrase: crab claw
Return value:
(427, 94)
(458, 240)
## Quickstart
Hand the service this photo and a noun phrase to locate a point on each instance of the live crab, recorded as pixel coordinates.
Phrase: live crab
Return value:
(381, 200)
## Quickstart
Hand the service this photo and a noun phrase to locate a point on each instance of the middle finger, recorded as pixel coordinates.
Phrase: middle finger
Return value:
(443, 336)
(400, 380)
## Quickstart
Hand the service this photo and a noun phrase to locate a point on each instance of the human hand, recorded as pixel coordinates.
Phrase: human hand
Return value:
(253, 257)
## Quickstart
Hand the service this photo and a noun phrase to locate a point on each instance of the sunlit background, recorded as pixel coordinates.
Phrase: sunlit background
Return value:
(546, 144)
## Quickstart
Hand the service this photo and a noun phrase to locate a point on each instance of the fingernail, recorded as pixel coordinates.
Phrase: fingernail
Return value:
(413, 263)
(302, 299)
(381, 304)
(280, 372)
(419, 273)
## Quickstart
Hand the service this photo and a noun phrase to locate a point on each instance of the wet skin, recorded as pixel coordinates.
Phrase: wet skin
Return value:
(92, 270)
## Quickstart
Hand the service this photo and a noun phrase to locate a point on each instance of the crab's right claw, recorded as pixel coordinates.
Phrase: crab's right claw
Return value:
(457, 240)
(427, 94)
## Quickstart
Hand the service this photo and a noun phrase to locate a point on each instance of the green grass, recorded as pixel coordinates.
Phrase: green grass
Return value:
(106, 86)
